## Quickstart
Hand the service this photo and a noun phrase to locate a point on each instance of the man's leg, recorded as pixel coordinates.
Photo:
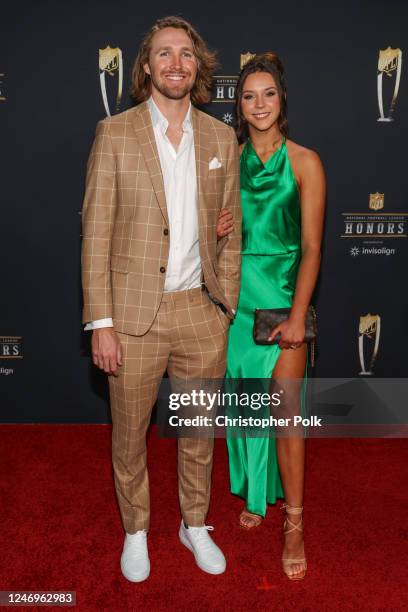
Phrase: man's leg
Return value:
(198, 351)
(133, 393)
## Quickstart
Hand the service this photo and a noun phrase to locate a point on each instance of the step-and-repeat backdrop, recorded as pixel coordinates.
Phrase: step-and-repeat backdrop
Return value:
(66, 65)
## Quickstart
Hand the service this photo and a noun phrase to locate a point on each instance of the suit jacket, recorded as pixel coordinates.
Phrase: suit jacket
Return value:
(126, 237)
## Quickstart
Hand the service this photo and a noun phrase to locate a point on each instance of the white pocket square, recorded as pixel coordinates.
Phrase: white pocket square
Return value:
(214, 164)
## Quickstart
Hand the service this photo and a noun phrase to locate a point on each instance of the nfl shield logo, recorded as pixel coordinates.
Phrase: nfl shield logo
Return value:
(376, 201)
(245, 57)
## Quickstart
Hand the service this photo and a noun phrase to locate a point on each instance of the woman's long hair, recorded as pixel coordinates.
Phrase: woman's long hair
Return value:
(263, 62)
(206, 60)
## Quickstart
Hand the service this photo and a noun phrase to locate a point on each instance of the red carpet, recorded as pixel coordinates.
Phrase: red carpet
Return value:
(61, 530)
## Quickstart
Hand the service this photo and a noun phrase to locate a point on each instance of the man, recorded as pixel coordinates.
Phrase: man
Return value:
(159, 291)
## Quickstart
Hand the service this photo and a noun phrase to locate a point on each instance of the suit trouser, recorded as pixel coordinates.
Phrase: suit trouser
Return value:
(188, 338)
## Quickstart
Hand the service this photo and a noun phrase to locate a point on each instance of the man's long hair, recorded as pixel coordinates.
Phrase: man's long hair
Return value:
(206, 62)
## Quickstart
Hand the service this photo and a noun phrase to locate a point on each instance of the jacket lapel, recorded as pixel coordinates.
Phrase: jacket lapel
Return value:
(202, 157)
(142, 124)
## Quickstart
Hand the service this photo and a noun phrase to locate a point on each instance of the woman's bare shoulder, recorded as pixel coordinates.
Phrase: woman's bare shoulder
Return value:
(305, 162)
(302, 154)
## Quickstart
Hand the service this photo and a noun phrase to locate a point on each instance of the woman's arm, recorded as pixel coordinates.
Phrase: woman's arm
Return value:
(312, 201)
(308, 169)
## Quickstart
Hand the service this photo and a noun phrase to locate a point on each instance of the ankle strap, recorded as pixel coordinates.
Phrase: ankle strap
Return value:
(292, 509)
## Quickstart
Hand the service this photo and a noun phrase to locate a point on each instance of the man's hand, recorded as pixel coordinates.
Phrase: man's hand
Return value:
(106, 350)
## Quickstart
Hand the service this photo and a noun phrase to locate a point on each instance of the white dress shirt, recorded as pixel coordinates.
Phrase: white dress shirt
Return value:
(180, 186)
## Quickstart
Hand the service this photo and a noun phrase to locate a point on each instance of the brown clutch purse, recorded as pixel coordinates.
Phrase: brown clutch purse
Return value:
(266, 319)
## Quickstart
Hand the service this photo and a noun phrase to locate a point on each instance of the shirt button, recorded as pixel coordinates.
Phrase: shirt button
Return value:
(166, 232)
(162, 269)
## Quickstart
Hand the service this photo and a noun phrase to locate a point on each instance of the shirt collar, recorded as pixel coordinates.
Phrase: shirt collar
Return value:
(159, 119)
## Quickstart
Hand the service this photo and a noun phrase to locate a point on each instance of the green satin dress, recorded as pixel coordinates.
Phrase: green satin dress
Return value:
(271, 252)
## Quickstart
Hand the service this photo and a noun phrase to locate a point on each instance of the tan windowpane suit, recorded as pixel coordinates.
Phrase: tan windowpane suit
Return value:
(124, 257)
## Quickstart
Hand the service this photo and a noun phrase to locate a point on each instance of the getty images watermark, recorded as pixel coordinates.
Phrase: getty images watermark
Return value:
(208, 401)
(319, 407)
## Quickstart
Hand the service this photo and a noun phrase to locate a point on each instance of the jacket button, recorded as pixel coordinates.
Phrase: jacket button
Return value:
(162, 269)
(166, 232)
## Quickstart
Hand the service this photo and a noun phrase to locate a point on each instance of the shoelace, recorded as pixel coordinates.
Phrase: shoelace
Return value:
(201, 533)
(202, 529)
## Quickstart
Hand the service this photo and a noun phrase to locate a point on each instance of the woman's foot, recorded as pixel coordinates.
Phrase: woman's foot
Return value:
(293, 558)
(248, 520)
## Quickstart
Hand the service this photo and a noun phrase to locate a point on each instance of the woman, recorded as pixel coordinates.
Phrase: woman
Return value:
(283, 199)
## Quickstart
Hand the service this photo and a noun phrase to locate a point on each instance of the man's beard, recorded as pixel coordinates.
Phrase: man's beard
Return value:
(174, 93)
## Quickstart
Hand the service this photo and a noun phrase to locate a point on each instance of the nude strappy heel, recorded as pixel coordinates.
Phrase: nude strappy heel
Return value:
(287, 562)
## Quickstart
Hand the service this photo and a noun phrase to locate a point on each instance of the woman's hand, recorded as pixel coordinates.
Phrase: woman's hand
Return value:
(292, 333)
(225, 223)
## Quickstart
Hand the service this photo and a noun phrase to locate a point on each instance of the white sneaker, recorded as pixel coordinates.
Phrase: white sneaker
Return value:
(208, 556)
(135, 563)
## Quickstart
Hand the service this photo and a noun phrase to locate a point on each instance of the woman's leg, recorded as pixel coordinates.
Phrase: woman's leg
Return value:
(288, 376)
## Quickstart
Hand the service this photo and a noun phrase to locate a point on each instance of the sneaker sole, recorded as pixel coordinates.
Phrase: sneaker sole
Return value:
(132, 578)
(202, 566)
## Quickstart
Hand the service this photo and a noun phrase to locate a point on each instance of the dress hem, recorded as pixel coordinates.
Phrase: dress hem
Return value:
(269, 502)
